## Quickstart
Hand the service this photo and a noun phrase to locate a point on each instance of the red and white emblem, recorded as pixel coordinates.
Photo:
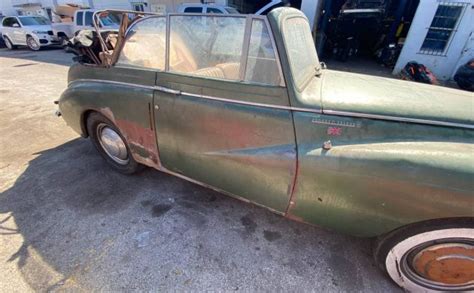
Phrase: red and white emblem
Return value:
(334, 131)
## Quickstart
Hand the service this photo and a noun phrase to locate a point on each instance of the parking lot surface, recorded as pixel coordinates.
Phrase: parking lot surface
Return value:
(69, 222)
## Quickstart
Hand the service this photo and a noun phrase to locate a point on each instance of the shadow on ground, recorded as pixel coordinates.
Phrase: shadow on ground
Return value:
(86, 227)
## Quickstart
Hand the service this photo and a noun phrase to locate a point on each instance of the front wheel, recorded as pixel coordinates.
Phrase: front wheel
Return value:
(32, 43)
(111, 145)
(430, 256)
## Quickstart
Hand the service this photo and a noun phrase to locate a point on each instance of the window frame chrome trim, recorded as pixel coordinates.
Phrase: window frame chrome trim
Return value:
(245, 48)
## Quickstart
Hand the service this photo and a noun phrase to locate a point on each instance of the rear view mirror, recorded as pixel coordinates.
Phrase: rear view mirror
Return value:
(15, 25)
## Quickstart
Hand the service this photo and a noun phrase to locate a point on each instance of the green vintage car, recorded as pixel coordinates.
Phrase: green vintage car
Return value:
(242, 105)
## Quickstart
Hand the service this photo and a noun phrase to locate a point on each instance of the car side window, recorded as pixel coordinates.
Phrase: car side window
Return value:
(262, 64)
(214, 10)
(15, 21)
(193, 10)
(209, 46)
(88, 18)
(145, 45)
(7, 22)
(80, 18)
(10, 21)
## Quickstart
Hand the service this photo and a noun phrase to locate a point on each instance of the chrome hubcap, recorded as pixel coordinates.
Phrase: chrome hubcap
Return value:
(32, 44)
(445, 266)
(112, 144)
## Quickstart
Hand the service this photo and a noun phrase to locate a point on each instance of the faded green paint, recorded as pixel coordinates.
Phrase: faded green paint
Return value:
(381, 175)
(247, 151)
(343, 91)
(378, 175)
(127, 106)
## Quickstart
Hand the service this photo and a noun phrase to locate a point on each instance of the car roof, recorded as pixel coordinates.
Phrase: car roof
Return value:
(203, 4)
(23, 16)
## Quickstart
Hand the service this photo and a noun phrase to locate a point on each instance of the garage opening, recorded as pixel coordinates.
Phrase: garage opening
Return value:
(364, 36)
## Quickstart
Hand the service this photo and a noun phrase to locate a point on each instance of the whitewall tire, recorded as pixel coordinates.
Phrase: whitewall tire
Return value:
(432, 259)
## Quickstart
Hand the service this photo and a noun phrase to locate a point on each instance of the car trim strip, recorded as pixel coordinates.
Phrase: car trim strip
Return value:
(397, 118)
(177, 92)
(317, 111)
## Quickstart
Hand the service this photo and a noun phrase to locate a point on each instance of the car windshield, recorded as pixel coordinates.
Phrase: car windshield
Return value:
(34, 20)
(300, 49)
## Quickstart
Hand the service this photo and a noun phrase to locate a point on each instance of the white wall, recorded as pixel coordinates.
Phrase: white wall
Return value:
(442, 66)
(467, 52)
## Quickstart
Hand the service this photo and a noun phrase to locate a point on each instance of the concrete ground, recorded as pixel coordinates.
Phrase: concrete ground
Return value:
(68, 222)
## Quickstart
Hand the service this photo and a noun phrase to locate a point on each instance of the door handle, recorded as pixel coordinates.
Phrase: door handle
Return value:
(167, 90)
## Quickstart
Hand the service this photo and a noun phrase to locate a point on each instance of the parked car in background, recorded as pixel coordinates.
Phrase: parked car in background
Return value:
(464, 76)
(2, 43)
(242, 105)
(272, 5)
(214, 8)
(82, 20)
(32, 31)
(206, 8)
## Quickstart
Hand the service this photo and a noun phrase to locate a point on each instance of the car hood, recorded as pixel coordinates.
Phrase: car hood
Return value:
(394, 99)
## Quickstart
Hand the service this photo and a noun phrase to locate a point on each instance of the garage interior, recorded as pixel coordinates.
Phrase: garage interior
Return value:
(364, 36)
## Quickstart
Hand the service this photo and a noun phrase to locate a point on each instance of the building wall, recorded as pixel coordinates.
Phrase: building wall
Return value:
(458, 50)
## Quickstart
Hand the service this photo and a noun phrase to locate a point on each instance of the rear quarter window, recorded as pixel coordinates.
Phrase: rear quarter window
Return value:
(193, 10)
(88, 18)
(80, 18)
(213, 10)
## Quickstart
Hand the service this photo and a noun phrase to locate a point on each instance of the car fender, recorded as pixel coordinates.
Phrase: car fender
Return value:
(367, 178)
(128, 108)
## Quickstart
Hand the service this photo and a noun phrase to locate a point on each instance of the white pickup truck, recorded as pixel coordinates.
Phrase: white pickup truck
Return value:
(82, 20)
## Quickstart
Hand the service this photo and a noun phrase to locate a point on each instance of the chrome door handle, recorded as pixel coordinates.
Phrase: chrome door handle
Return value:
(167, 90)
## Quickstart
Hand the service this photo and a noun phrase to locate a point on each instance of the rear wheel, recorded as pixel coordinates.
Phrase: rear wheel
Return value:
(430, 256)
(111, 145)
(9, 43)
(32, 43)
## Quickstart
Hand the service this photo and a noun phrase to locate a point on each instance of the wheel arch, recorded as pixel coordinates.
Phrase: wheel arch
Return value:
(83, 121)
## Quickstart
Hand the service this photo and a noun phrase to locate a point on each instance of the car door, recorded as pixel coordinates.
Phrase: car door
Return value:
(221, 109)
(18, 32)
